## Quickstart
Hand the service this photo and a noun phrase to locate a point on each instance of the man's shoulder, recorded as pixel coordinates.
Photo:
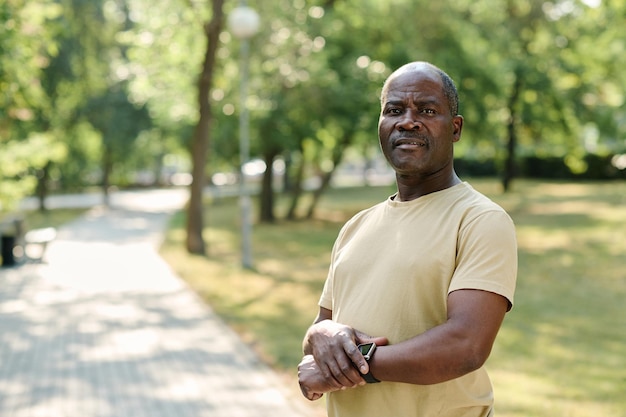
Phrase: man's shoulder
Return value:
(467, 205)
(470, 198)
(364, 213)
(360, 218)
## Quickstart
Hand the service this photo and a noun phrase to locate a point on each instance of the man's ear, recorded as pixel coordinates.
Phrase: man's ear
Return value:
(457, 123)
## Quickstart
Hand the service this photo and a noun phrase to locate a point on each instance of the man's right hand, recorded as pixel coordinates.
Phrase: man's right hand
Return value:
(334, 347)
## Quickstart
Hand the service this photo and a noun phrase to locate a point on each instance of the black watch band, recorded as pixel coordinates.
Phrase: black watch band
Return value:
(367, 350)
(369, 378)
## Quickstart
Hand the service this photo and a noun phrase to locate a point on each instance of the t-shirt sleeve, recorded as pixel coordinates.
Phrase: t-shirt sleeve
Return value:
(326, 299)
(487, 255)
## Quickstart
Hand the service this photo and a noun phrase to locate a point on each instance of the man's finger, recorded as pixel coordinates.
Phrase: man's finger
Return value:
(343, 374)
(357, 358)
(315, 396)
(364, 338)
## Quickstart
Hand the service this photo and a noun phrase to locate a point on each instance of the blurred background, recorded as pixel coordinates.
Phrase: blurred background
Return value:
(278, 100)
(122, 93)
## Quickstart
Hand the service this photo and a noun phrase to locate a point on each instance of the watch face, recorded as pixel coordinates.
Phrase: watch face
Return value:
(367, 349)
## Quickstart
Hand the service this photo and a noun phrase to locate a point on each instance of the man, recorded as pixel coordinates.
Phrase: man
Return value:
(421, 281)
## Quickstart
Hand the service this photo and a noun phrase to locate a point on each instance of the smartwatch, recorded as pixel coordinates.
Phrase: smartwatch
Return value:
(367, 350)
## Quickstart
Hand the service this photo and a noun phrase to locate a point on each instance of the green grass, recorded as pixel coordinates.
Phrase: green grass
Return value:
(36, 219)
(560, 351)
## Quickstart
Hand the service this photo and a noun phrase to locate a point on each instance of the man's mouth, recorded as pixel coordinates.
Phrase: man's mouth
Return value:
(409, 143)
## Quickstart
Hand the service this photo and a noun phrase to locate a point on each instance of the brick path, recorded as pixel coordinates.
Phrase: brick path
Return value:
(103, 328)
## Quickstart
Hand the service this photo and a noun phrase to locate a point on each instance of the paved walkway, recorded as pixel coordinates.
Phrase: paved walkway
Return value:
(103, 328)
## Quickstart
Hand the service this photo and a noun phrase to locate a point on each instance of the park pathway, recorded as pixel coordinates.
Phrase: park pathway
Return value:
(103, 328)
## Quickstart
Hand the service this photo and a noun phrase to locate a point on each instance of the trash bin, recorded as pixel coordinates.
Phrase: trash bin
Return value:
(11, 233)
(7, 245)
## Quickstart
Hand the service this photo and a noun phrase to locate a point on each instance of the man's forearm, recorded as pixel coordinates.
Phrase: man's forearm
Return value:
(460, 345)
(323, 314)
(430, 358)
(307, 346)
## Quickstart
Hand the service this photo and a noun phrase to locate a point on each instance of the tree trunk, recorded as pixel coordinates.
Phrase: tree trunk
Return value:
(200, 142)
(296, 188)
(338, 152)
(107, 167)
(509, 163)
(266, 214)
(42, 186)
(318, 193)
(287, 178)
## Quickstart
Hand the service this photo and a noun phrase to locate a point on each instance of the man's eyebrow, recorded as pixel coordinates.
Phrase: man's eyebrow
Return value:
(419, 102)
(428, 102)
(394, 103)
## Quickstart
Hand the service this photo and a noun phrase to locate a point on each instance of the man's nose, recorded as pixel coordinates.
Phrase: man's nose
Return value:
(409, 121)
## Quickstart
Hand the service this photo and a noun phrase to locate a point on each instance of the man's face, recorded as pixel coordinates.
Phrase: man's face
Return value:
(416, 129)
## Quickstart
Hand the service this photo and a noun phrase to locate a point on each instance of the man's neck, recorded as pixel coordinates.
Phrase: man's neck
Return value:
(412, 188)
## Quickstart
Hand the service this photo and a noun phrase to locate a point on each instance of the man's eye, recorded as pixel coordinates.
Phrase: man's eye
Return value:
(428, 111)
(394, 111)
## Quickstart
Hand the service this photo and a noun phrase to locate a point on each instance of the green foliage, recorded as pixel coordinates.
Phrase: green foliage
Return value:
(165, 46)
(315, 75)
(26, 46)
(117, 119)
(81, 167)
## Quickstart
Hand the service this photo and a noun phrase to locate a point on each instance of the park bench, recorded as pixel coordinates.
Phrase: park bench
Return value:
(16, 244)
(38, 238)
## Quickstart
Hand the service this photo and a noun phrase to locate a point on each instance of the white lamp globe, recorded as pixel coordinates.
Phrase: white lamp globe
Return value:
(243, 22)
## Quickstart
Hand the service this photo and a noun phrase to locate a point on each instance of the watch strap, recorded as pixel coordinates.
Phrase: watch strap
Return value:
(369, 378)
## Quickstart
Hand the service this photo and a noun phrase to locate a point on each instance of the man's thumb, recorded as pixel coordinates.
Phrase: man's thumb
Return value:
(363, 338)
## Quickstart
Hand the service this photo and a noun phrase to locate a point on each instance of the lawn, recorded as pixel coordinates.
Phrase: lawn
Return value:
(35, 219)
(561, 349)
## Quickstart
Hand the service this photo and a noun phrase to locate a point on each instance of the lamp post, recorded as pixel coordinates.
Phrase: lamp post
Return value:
(244, 23)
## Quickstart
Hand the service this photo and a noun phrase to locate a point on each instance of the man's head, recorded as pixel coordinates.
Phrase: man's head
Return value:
(419, 122)
(449, 88)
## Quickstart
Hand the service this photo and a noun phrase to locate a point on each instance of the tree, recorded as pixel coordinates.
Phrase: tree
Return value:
(119, 122)
(26, 46)
(200, 142)
(537, 54)
(331, 65)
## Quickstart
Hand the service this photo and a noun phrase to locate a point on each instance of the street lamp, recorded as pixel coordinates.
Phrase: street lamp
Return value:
(244, 23)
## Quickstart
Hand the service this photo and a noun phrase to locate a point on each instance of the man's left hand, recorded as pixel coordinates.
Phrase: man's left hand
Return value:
(312, 382)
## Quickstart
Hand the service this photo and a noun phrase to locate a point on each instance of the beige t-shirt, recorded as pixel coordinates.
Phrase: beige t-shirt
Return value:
(391, 271)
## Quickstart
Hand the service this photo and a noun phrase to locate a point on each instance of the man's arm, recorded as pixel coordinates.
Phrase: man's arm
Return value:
(323, 314)
(460, 345)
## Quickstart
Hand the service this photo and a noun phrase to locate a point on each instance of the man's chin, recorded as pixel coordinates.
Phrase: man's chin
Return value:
(408, 168)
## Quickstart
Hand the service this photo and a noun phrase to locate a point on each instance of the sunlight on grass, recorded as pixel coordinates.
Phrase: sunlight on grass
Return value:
(561, 349)
(35, 219)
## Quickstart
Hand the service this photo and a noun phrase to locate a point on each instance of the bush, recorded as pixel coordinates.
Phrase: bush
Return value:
(592, 167)
(596, 167)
